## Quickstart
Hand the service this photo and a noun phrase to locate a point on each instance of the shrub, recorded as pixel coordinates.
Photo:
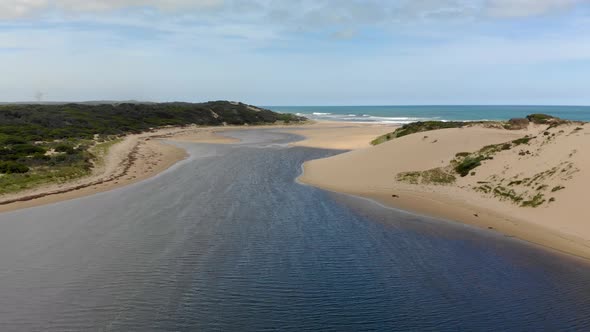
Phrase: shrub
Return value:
(65, 148)
(417, 127)
(523, 140)
(462, 154)
(9, 167)
(467, 164)
(517, 123)
(436, 176)
(557, 188)
(537, 200)
(539, 118)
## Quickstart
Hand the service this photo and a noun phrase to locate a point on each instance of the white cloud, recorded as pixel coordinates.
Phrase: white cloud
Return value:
(12, 9)
(523, 8)
(301, 12)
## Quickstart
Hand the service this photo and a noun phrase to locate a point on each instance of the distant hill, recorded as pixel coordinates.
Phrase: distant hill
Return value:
(89, 102)
(37, 122)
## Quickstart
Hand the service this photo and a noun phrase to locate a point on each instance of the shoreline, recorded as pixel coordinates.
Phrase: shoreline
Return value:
(416, 203)
(136, 158)
(141, 156)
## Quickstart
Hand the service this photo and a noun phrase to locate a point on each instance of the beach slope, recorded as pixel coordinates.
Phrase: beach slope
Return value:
(533, 185)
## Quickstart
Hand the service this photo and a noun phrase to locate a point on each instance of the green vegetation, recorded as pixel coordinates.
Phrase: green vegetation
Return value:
(29, 123)
(436, 176)
(418, 127)
(55, 143)
(10, 167)
(465, 162)
(557, 188)
(468, 163)
(512, 124)
(486, 188)
(552, 121)
(523, 140)
(504, 193)
(537, 200)
(539, 118)
(516, 124)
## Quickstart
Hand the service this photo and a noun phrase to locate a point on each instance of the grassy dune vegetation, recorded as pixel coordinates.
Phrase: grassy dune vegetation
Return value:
(55, 143)
(512, 124)
(525, 189)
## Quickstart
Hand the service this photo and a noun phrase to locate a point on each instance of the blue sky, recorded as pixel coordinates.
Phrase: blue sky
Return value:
(297, 52)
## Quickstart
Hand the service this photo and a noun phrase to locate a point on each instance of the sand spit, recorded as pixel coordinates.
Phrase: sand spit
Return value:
(339, 135)
(550, 171)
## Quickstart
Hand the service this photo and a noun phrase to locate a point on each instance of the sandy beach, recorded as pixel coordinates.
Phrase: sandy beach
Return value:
(554, 159)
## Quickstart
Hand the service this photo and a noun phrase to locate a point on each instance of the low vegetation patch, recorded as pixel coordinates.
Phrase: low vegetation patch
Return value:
(468, 163)
(517, 124)
(437, 176)
(540, 118)
(512, 124)
(418, 127)
(537, 200)
(523, 140)
(507, 194)
(557, 188)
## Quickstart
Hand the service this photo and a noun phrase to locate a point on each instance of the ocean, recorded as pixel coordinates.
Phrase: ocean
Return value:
(407, 114)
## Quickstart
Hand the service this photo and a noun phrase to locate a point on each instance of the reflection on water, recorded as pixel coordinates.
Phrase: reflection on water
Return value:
(228, 241)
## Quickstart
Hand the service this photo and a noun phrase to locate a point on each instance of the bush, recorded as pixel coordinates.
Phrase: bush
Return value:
(469, 163)
(9, 167)
(462, 154)
(26, 149)
(540, 118)
(523, 140)
(65, 148)
(517, 123)
(418, 127)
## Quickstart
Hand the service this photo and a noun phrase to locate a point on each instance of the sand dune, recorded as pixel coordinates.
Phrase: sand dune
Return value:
(553, 169)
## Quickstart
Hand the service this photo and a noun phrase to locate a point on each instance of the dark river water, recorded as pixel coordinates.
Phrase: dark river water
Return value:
(228, 241)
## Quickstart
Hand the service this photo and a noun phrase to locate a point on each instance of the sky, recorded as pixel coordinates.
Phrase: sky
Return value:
(297, 52)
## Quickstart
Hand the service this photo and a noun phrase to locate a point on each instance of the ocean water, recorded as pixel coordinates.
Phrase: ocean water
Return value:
(407, 114)
(227, 240)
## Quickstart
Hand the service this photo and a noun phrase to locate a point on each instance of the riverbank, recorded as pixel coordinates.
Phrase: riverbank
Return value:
(134, 158)
(534, 191)
(139, 157)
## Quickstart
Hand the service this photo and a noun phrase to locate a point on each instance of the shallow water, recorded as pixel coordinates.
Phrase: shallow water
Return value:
(227, 240)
